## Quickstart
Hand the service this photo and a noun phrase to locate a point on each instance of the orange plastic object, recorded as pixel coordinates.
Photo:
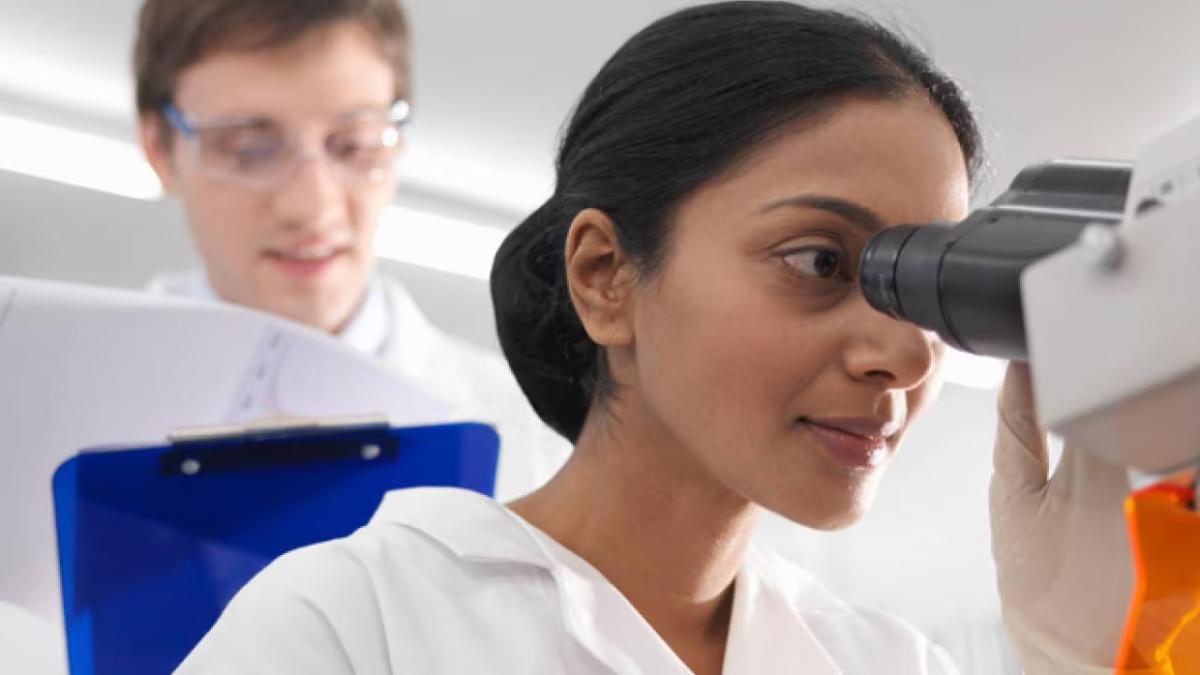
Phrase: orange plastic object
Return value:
(1162, 634)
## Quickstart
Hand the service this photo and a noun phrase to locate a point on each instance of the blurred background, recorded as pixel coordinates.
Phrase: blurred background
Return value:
(494, 82)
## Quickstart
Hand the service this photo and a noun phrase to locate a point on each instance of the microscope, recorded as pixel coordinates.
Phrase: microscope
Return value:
(1089, 271)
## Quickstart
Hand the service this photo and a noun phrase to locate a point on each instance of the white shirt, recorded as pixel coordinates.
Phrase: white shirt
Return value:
(476, 383)
(445, 581)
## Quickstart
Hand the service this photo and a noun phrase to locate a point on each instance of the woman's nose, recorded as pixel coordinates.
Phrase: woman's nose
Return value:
(896, 354)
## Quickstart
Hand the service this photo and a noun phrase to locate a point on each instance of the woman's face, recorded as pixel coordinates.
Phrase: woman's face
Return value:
(754, 350)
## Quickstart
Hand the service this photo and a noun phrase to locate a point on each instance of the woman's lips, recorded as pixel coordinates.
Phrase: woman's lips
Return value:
(863, 447)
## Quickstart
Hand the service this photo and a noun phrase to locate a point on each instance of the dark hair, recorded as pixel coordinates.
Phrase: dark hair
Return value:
(677, 106)
(174, 34)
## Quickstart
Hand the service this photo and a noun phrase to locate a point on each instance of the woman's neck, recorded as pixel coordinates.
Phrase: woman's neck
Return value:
(642, 512)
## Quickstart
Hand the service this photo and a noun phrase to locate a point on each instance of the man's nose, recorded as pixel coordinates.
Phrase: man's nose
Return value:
(312, 197)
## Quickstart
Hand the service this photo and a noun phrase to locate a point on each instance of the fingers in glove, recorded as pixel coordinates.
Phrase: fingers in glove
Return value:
(1021, 456)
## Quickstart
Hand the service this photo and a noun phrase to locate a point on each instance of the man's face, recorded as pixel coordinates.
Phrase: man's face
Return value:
(300, 245)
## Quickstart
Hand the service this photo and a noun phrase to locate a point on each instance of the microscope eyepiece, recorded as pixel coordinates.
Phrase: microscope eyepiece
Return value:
(877, 275)
(964, 281)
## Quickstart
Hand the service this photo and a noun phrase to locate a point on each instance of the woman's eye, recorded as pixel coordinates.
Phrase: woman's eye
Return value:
(821, 263)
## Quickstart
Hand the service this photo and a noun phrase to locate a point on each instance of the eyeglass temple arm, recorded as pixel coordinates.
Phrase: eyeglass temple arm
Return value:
(176, 119)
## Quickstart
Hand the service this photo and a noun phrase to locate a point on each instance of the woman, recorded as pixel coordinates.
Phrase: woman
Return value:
(684, 310)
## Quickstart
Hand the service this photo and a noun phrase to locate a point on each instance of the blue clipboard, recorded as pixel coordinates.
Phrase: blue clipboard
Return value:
(154, 542)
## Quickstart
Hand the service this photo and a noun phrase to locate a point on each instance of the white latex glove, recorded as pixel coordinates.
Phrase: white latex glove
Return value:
(1063, 560)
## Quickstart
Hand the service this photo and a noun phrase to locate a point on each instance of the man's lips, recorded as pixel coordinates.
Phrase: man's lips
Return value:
(306, 252)
(305, 261)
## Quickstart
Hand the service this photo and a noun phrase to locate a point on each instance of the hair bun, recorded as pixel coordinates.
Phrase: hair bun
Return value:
(546, 346)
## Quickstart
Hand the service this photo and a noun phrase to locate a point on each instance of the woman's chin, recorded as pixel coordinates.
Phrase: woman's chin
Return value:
(835, 521)
(831, 512)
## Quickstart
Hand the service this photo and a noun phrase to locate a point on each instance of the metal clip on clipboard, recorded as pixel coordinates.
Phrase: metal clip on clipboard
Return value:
(276, 440)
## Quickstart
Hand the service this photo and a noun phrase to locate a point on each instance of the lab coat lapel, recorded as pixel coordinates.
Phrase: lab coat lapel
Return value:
(638, 654)
(766, 634)
(576, 602)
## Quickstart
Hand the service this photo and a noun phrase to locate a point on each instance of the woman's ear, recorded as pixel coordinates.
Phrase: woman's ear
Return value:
(600, 279)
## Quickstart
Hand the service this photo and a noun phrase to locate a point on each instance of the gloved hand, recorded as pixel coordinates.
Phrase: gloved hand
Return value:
(1063, 561)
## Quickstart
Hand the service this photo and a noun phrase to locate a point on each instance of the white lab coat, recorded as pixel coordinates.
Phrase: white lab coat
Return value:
(476, 384)
(445, 581)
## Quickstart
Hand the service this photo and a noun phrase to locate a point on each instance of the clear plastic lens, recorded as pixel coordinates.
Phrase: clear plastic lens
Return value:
(259, 155)
(242, 150)
(363, 146)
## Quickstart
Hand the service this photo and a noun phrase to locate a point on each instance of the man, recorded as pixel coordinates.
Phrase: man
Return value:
(277, 125)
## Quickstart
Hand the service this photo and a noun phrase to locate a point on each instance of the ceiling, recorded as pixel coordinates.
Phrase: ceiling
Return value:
(495, 80)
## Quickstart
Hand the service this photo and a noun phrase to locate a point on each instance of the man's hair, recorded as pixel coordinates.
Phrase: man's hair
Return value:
(174, 34)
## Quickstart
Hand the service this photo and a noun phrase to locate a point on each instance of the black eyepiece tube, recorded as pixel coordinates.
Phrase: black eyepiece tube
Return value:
(964, 281)
(877, 269)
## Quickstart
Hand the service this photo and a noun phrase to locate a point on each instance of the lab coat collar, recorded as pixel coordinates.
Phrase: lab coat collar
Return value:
(767, 635)
(370, 328)
(477, 528)
(469, 524)
(413, 353)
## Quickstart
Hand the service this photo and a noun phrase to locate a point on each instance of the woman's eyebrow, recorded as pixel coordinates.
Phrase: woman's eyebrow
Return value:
(856, 214)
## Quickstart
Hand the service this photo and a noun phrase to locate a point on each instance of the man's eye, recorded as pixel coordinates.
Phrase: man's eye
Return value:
(255, 155)
(348, 147)
(243, 147)
(362, 144)
(820, 263)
